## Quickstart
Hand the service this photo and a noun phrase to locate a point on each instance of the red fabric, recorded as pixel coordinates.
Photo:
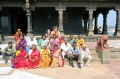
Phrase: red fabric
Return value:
(19, 61)
(34, 54)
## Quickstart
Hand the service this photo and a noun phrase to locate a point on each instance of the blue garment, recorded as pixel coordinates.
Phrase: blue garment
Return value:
(74, 50)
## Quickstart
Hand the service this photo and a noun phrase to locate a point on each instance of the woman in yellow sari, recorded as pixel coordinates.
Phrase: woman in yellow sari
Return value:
(45, 57)
(57, 60)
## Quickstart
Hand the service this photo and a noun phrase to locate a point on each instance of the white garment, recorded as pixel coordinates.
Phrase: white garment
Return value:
(85, 53)
(31, 42)
(65, 48)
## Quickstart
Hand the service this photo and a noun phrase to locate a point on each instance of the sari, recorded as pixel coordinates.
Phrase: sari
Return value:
(61, 40)
(19, 61)
(22, 42)
(17, 36)
(80, 42)
(42, 43)
(57, 60)
(54, 42)
(46, 60)
(35, 58)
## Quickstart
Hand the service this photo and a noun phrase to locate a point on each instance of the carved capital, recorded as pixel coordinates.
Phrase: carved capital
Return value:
(60, 8)
(92, 8)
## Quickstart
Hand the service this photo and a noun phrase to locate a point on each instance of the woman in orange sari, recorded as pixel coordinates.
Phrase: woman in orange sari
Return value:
(20, 60)
(57, 60)
(33, 57)
(18, 34)
(45, 57)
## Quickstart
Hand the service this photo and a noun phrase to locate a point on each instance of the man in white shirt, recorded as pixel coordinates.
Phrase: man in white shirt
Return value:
(85, 55)
(65, 47)
(30, 42)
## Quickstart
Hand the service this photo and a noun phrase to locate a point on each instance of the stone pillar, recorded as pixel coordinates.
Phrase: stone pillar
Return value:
(85, 25)
(118, 23)
(116, 26)
(90, 33)
(105, 22)
(60, 10)
(29, 27)
(96, 26)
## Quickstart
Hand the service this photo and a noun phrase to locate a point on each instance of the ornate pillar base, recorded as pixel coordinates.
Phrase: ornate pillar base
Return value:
(90, 33)
(118, 33)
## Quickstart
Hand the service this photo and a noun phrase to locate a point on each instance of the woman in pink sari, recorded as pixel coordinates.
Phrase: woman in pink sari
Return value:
(20, 60)
(33, 57)
(57, 60)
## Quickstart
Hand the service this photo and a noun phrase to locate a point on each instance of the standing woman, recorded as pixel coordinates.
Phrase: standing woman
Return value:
(18, 34)
(55, 31)
(48, 33)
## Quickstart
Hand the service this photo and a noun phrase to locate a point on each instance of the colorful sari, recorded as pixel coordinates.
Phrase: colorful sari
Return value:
(61, 40)
(19, 61)
(46, 60)
(35, 58)
(57, 60)
(42, 43)
(21, 43)
(17, 36)
(54, 42)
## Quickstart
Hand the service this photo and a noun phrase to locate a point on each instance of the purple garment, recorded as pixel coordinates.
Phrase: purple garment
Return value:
(54, 42)
(21, 43)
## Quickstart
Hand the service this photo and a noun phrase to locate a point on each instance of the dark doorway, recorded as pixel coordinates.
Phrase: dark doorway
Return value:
(18, 20)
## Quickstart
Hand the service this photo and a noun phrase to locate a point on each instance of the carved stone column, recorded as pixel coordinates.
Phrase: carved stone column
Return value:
(29, 27)
(60, 10)
(91, 9)
(96, 24)
(85, 25)
(116, 26)
(118, 23)
(105, 22)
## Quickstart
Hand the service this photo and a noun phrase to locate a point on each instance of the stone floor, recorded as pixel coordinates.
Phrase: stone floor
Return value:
(96, 71)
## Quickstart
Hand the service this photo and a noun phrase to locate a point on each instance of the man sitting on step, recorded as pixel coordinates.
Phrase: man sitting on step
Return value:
(74, 52)
(85, 55)
(8, 52)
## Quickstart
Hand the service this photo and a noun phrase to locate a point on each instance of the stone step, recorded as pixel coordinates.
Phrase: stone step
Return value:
(92, 50)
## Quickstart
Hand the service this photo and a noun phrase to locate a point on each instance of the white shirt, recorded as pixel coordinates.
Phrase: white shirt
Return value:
(31, 42)
(85, 52)
(65, 47)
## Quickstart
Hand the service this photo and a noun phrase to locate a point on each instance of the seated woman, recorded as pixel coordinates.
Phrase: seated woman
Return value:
(45, 57)
(33, 57)
(20, 60)
(56, 32)
(85, 55)
(43, 41)
(22, 42)
(54, 41)
(57, 60)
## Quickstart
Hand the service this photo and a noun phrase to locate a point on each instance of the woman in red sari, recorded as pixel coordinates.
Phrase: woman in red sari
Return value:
(33, 57)
(20, 60)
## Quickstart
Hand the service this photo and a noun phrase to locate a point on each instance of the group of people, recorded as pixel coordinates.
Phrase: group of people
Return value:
(49, 51)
